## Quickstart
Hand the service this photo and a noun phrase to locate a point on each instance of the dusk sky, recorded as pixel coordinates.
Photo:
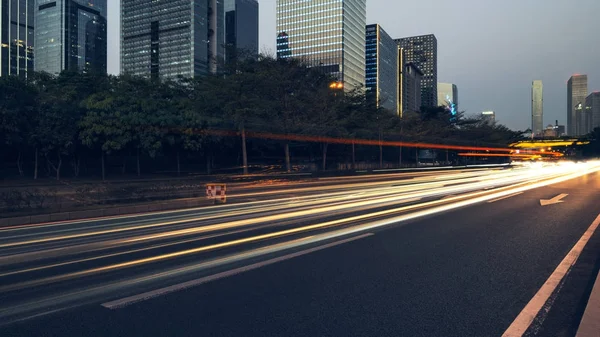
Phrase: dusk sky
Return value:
(492, 50)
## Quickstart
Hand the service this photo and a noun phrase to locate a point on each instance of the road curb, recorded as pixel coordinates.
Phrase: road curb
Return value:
(106, 213)
(590, 322)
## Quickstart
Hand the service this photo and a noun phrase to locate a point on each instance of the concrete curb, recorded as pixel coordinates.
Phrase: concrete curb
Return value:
(590, 322)
(106, 212)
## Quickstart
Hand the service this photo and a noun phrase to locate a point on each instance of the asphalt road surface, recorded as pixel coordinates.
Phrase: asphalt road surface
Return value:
(454, 253)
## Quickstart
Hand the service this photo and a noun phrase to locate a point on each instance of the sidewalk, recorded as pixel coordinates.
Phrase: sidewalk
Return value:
(590, 322)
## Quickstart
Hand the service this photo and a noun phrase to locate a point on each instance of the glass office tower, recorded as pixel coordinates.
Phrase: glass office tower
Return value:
(241, 28)
(576, 95)
(382, 76)
(537, 108)
(329, 34)
(447, 95)
(173, 38)
(72, 35)
(16, 37)
(592, 106)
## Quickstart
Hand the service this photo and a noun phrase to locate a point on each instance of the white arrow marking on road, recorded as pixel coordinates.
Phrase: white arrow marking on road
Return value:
(555, 200)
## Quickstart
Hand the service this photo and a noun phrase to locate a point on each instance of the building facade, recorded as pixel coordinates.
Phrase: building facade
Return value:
(592, 106)
(576, 94)
(488, 117)
(447, 94)
(16, 37)
(168, 39)
(549, 132)
(382, 77)
(329, 34)
(410, 85)
(537, 108)
(241, 28)
(422, 52)
(72, 35)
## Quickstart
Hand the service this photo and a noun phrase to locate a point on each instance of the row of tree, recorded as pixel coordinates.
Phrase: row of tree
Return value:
(76, 116)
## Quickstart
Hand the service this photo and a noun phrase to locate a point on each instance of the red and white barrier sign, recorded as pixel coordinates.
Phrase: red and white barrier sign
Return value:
(217, 192)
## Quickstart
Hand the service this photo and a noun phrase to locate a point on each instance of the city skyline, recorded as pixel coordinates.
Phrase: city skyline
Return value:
(492, 73)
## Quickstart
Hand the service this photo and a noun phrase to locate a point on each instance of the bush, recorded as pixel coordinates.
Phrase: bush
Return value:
(26, 199)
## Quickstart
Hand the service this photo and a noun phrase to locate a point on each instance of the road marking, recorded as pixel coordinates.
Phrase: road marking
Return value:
(185, 285)
(557, 199)
(505, 197)
(520, 325)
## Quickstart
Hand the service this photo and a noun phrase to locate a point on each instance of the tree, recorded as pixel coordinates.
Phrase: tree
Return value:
(241, 97)
(61, 108)
(103, 127)
(18, 107)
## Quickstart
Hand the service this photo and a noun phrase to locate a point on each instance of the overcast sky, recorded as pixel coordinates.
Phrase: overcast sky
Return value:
(492, 50)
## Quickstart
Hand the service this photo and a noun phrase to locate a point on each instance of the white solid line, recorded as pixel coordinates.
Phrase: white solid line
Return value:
(120, 303)
(506, 197)
(590, 324)
(520, 325)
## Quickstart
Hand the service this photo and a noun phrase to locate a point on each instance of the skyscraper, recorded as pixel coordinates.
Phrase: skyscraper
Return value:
(172, 38)
(16, 37)
(241, 28)
(592, 106)
(576, 94)
(73, 35)
(537, 108)
(447, 94)
(329, 34)
(382, 75)
(422, 52)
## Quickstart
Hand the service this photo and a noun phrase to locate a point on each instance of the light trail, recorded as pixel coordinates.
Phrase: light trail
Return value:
(338, 196)
(136, 247)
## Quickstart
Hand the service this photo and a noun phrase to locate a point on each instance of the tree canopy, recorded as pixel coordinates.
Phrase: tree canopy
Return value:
(75, 116)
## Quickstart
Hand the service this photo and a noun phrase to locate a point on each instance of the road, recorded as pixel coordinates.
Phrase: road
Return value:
(454, 253)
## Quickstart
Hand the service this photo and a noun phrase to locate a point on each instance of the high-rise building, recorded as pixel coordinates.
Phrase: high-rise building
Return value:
(382, 77)
(168, 39)
(329, 34)
(551, 131)
(410, 85)
(576, 94)
(422, 52)
(592, 106)
(241, 28)
(537, 108)
(72, 35)
(447, 94)
(488, 117)
(16, 37)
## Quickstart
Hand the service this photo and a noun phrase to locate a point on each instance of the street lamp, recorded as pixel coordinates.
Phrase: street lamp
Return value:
(336, 85)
